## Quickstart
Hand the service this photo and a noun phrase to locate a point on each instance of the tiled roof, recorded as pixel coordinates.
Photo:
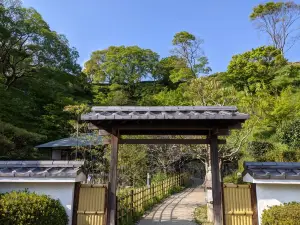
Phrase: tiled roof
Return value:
(51, 168)
(273, 170)
(164, 112)
(85, 140)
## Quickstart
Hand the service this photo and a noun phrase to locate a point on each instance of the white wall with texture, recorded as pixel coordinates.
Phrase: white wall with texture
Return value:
(275, 194)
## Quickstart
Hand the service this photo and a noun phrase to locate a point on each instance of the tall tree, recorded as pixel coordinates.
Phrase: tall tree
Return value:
(121, 65)
(256, 66)
(168, 69)
(123, 68)
(27, 44)
(188, 47)
(280, 21)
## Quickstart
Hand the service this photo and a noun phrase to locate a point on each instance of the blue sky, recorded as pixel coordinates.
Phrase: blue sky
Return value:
(96, 24)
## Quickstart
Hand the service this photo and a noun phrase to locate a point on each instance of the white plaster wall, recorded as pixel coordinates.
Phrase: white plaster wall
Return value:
(62, 191)
(275, 194)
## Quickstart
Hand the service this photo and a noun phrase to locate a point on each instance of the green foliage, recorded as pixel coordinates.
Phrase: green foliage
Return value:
(258, 150)
(278, 20)
(171, 70)
(290, 134)
(268, 8)
(28, 45)
(158, 177)
(200, 215)
(286, 76)
(183, 38)
(209, 91)
(187, 47)
(235, 178)
(286, 214)
(132, 164)
(175, 189)
(172, 97)
(24, 208)
(252, 67)
(17, 143)
(46, 103)
(51, 79)
(121, 65)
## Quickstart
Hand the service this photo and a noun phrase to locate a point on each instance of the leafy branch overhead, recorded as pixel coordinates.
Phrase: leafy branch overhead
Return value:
(27, 45)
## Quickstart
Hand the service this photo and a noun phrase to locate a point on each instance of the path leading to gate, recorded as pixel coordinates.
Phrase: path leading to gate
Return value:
(178, 208)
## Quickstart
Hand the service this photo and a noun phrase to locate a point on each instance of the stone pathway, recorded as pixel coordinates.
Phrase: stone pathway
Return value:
(178, 208)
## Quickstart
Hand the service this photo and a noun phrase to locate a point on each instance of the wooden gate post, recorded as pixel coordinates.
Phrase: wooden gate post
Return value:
(75, 203)
(254, 204)
(216, 181)
(112, 183)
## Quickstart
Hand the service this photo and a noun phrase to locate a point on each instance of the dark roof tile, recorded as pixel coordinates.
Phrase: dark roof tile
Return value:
(163, 112)
(40, 168)
(273, 170)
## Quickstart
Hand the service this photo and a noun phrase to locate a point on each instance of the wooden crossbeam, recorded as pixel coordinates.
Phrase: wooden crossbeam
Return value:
(220, 132)
(168, 141)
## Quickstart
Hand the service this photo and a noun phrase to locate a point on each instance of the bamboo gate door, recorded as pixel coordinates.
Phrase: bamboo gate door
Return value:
(239, 204)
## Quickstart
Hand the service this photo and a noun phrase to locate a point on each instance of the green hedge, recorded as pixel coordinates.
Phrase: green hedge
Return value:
(24, 208)
(286, 214)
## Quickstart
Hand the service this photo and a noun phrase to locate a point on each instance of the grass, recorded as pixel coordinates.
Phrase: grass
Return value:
(200, 215)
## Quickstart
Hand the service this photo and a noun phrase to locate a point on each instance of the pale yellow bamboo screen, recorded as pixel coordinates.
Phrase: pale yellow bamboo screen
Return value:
(237, 204)
(91, 206)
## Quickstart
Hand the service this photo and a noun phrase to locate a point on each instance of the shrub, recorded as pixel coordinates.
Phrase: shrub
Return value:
(233, 178)
(200, 215)
(290, 134)
(175, 190)
(259, 149)
(286, 214)
(24, 208)
(158, 177)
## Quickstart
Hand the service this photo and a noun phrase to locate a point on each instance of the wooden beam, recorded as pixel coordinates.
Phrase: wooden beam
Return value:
(168, 141)
(236, 126)
(159, 129)
(112, 183)
(222, 132)
(92, 127)
(254, 204)
(75, 203)
(169, 132)
(172, 126)
(104, 133)
(216, 181)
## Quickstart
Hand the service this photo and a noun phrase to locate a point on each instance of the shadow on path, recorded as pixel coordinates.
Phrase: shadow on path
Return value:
(178, 208)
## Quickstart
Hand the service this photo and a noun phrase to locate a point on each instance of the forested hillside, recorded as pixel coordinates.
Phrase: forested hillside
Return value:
(41, 80)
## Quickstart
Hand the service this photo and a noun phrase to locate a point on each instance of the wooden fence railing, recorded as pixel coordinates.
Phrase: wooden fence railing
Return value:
(132, 205)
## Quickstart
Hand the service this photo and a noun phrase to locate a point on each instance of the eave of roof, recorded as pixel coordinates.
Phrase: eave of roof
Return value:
(40, 169)
(86, 140)
(164, 113)
(273, 170)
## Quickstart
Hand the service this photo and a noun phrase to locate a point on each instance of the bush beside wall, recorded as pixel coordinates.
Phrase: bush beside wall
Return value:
(24, 208)
(286, 214)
